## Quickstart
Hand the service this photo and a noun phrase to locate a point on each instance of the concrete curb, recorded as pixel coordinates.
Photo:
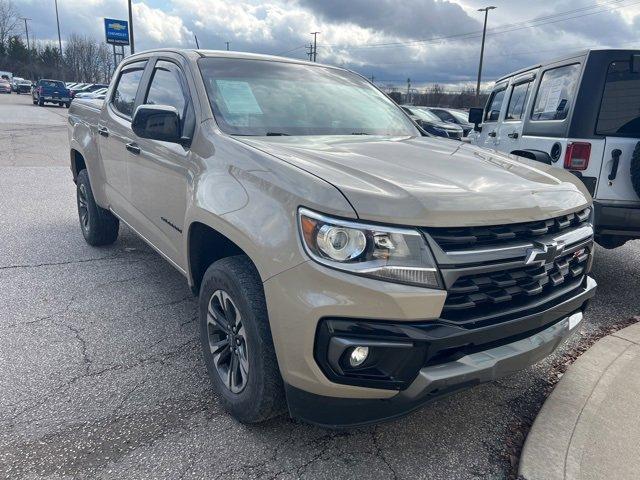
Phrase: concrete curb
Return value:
(589, 427)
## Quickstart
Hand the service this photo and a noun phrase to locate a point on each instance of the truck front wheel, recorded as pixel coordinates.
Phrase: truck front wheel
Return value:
(99, 226)
(236, 341)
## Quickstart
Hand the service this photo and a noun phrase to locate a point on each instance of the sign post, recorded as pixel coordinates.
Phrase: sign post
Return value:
(116, 33)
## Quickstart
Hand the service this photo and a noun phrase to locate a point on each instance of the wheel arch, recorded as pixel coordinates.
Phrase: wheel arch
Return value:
(78, 163)
(537, 155)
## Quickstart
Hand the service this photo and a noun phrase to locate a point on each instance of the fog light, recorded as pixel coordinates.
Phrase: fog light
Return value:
(358, 356)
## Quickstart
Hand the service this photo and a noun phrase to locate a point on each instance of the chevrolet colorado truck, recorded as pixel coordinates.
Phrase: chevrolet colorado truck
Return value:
(349, 268)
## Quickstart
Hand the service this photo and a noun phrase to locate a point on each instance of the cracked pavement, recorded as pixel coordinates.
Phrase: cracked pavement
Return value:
(100, 369)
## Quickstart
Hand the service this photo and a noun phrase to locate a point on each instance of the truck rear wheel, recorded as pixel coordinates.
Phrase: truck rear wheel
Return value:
(99, 226)
(236, 341)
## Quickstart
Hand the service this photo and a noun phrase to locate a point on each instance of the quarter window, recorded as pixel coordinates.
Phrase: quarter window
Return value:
(494, 106)
(518, 101)
(124, 97)
(556, 92)
(620, 108)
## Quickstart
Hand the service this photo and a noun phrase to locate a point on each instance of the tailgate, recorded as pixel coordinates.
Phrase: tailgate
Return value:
(615, 183)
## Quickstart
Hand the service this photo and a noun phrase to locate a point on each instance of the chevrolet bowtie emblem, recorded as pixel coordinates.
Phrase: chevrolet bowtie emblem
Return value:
(544, 253)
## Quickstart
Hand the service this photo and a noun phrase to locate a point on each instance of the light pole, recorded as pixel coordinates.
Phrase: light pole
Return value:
(26, 28)
(131, 46)
(227, 45)
(59, 40)
(484, 34)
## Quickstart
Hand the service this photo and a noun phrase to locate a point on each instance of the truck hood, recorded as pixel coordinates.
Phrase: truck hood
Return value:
(425, 181)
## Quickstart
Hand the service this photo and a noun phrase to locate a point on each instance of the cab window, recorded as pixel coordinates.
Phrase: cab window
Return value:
(556, 93)
(518, 101)
(124, 96)
(492, 113)
(620, 107)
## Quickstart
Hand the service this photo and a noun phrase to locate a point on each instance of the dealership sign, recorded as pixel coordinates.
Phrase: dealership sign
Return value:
(116, 31)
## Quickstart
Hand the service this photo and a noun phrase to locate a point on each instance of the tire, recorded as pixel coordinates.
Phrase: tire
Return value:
(262, 395)
(635, 169)
(60, 104)
(99, 226)
(40, 102)
(610, 241)
(67, 105)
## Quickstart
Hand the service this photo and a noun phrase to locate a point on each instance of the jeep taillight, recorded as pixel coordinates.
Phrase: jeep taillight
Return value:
(577, 156)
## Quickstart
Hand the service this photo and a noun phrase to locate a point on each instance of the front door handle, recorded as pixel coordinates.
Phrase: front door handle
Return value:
(133, 148)
(615, 155)
(513, 135)
(492, 134)
(104, 131)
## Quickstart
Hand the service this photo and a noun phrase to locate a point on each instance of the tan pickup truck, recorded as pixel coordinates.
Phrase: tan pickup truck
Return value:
(349, 267)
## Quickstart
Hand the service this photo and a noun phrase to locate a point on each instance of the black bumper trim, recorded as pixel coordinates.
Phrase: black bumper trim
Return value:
(623, 221)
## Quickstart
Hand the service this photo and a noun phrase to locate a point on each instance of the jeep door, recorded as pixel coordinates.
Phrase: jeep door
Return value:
(493, 117)
(160, 173)
(510, 130)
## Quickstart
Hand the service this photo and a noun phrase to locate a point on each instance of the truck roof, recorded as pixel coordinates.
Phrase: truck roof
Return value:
(575, 54)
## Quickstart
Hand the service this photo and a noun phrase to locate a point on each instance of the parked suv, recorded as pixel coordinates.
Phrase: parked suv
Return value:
(580, 113)
(348, 269)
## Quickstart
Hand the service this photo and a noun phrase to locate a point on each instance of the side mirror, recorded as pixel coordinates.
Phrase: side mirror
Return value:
(157, 122)
(475, 117)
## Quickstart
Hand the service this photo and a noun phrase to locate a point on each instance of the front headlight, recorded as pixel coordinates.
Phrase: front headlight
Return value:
(394, 254)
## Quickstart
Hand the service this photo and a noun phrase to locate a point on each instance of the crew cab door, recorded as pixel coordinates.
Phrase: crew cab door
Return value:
(159, 172)
(619, 121)
(114, 134)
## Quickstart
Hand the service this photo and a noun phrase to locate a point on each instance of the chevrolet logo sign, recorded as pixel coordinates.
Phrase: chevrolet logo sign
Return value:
(543, 253)
(117, 26)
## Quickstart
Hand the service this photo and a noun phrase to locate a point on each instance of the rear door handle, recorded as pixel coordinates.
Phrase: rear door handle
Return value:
(492, 134)
(133, 148)
(104, 131)
(513, 135)
(615, 155)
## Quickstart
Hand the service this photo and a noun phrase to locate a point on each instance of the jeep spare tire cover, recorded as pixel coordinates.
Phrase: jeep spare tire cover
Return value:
(635, 169)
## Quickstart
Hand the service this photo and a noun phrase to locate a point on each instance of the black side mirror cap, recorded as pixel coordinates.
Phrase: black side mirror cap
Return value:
(157, 122)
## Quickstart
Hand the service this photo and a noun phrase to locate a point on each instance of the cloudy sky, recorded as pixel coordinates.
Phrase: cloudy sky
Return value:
(426, 40)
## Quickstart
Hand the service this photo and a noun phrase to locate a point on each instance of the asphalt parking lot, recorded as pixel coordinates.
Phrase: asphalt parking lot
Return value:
(100, 369)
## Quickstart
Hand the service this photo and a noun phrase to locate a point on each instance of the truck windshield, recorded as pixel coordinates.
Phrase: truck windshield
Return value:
(620, 108)
(258, 97)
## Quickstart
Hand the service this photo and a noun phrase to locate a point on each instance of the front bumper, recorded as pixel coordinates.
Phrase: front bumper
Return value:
(617, 220)
(524, 341)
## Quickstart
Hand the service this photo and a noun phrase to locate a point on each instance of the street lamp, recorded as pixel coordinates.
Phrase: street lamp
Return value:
(484, 34)
(26, 27)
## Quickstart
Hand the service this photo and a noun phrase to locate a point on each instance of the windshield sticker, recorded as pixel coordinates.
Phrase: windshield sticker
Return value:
(238, 97)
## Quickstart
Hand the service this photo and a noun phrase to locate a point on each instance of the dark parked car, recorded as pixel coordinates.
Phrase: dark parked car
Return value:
(51, 91)
(432, 124)
(23, 86)
(459, 117)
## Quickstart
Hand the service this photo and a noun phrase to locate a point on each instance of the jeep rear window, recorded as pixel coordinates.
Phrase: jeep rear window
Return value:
(258, 97)
(620, 107)
(556, 92)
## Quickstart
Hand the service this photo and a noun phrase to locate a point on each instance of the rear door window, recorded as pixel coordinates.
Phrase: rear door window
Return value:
(494, 105)
(556, 92)
(124, 97)
(620, 107)
(518, 101)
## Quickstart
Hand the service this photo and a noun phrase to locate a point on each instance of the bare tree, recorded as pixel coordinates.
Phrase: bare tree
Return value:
(86, 60)
(9, 18)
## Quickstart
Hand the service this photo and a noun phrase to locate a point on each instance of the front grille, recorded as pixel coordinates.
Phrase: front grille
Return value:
(460, 238)
(485, 269)
(488, 294)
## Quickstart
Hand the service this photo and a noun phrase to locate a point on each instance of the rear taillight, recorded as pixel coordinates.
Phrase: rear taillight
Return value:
(577, 156)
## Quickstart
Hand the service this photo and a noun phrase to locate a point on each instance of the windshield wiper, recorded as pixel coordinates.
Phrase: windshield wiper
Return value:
(277, 134)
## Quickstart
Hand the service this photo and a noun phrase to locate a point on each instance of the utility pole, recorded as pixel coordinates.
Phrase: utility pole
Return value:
(197, 44)
(227, 45)
(408, 90)
(26, 28)
(59, 42)
(372, 78)
(131, 45)
(484, 34)
(310, 52)
(315, 45)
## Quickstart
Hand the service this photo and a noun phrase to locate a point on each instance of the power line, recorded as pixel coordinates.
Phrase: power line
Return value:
(506, 28)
